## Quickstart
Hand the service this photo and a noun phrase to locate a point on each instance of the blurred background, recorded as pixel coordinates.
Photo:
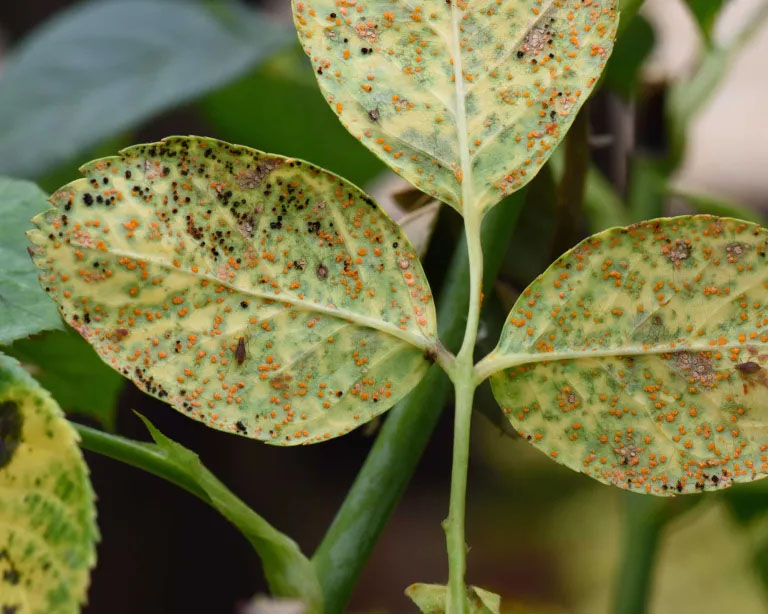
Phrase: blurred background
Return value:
(677, 126)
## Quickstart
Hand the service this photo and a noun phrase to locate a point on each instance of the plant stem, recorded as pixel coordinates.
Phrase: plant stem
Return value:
(463, 376)
(145, 456)
(288, 572)
(642, 531)
(408, 427)
(570, 191)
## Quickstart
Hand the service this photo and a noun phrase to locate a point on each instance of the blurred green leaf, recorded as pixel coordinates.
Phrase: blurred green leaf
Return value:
(280, 109)
(705, 13)
(719, 206)
(688, 97)
(64, 364)
(99, 68)
(628, 10)
(647, 188)
(23, 308)
(623, 71)
(603, 208)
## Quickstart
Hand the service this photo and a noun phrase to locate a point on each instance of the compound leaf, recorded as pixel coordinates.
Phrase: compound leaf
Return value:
(431, 599)
(466, 100)
(22, 313)
(639, 356)
(47, 513)
(256, 293)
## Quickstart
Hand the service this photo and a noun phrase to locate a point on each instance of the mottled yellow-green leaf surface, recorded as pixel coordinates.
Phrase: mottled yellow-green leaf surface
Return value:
(466, 99)
(639, 357)
(431, 598)
(47, 514)
(258, 294)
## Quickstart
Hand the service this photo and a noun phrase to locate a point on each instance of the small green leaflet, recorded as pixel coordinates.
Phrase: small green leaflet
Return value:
(431, 598)
(255, 293)
(466, 100)
(47, 513)
(22, 312)
(639, 356)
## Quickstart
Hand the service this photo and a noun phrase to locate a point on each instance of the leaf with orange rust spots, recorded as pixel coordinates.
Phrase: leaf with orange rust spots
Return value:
(258, 294)
(48, 527)
(465, 99)
(639, 357)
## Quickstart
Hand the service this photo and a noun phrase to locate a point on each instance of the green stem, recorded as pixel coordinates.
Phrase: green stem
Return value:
(145, 456)
(408, 428)
(288, 572)
(454, 524)
(642, 532)
(463, 376)
(570, 190)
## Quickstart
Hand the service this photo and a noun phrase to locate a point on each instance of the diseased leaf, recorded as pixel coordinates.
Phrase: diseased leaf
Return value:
(288, 572)
(256, 293)
(639, 356)
(431, 598)
(47, 513)
(466, 100)
(292, 119)
(102, 67)
(22, 312)
(71, 371)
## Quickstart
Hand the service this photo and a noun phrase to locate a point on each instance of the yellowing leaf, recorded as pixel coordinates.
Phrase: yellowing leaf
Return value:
(256, 293)
(639, 356)
(465, 99)
(47, 514)
(431, 599)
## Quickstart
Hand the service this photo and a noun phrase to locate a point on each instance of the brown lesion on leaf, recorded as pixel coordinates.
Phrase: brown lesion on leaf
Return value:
(628, 454)
(367, 30)
(11, 421)
(678, 251)
(735, 251)
(696, 366)
(251, 178)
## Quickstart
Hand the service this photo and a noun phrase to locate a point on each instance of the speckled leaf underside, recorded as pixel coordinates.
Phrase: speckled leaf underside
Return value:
(466, 99)
(639, 357)
(47, 514)
(256, 293)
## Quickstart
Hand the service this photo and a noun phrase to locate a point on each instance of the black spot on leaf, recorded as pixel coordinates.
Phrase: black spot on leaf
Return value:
(10, 430)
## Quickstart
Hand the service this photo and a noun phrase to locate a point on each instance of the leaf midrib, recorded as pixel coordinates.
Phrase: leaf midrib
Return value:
(495, 362)
(417, 340)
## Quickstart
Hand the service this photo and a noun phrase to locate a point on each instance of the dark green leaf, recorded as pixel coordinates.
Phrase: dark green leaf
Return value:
(632, 48)
(102, 67)
(64, 364)
(23, 310)
(705, 12)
